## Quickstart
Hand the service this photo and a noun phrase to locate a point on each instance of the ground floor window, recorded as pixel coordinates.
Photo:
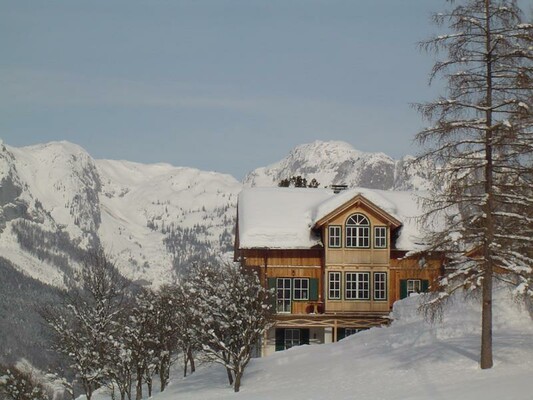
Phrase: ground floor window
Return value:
(290, 337)
(343, 332)
(413, 286)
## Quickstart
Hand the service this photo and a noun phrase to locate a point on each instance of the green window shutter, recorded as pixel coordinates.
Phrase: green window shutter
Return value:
(313, 289)
(341, 333)
(280, 338)
(403, 288)
(424, 285)
(304, 336)
(273, 295)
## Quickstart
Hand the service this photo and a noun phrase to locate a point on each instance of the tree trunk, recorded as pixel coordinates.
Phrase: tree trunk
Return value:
(149, 382)
(486, 311)
(230, 376)
(139, 386)
(238, 376)
(185, 362)
(191, 360)
(163, 373)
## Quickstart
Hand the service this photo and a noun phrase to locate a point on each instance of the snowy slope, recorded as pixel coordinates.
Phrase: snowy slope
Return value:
(408, 360)
(57, 201)
(337, 162)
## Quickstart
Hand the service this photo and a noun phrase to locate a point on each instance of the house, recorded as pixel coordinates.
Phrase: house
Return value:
(337, 261)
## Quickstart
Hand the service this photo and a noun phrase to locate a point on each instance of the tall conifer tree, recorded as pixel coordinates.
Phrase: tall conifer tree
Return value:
(481, 140)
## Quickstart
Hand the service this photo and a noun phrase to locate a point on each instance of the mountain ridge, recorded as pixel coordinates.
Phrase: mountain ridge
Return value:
(56, 201)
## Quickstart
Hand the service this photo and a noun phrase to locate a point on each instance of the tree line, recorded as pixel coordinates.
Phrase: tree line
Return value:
(121, 336)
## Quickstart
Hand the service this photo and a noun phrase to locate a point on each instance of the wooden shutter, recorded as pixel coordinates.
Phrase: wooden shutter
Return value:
(304, 336)
(403, 288)
(280, 338)
(273, 295)
(313, 289)
(424, 285)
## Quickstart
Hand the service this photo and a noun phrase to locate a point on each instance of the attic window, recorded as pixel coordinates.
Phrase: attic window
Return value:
(358, 231)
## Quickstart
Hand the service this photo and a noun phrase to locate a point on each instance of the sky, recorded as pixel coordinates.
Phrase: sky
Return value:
(221, 85)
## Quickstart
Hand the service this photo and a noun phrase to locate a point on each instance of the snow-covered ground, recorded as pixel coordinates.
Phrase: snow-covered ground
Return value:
(408, 360)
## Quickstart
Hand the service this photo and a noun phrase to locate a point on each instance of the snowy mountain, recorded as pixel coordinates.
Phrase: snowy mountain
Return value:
(57, 202)
(338, 162)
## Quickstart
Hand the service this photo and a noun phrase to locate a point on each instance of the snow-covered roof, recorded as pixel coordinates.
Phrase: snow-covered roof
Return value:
(283, 218)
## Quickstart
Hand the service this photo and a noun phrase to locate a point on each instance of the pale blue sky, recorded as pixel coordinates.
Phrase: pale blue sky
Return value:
(220, 85)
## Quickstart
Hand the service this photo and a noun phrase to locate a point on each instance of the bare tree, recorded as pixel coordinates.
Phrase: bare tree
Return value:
(482, 142)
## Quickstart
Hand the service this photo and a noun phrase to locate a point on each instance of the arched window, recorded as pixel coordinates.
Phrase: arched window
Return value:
(357, 231)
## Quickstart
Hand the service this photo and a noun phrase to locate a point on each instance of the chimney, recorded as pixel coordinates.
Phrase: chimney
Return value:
(338, 188)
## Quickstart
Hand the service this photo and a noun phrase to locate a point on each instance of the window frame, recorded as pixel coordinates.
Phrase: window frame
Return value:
(355, 232)
(285, 301)
(413, 290)
(339, 285)
(348, 292)
(301, 290)
(384, 237)
(337, 237)
(376, 290)
(292, 341)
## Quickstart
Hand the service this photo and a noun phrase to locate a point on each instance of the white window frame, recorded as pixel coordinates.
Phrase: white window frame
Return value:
(380, 286)
(358, 232)
(412, 286)
(293, 337)
(300, 289)
(357, 285)
(334, 285)
(334, 236)
(380, 237)
(283, 295)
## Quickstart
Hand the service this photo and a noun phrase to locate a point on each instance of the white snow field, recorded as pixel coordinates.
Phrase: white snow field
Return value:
(411, 359)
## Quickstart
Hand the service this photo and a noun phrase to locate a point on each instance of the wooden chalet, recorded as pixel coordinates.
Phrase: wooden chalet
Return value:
(337, 260)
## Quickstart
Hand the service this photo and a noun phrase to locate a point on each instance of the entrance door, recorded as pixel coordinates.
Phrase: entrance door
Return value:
(283, 291)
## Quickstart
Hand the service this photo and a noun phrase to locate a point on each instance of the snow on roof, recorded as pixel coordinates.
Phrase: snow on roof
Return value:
(282, 218)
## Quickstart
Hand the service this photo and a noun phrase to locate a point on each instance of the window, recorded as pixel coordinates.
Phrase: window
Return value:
(301, 289)
(334, 236)
(357, 285)
(283, 291)
(334, 292)
(351, 331)
(292, 338)
(380, 237)
(357, 231)
(380, 286)
(413, 286)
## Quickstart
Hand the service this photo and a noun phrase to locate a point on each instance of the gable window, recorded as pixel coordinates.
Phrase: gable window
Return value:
(380, 286)
(380, 237)
(334, 279)
(301, 289)
(358, 231)
(357, 285)
(283, 292)
(334, 236)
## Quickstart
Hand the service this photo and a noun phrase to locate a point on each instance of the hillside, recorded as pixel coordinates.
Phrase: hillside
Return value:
(408, 360)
